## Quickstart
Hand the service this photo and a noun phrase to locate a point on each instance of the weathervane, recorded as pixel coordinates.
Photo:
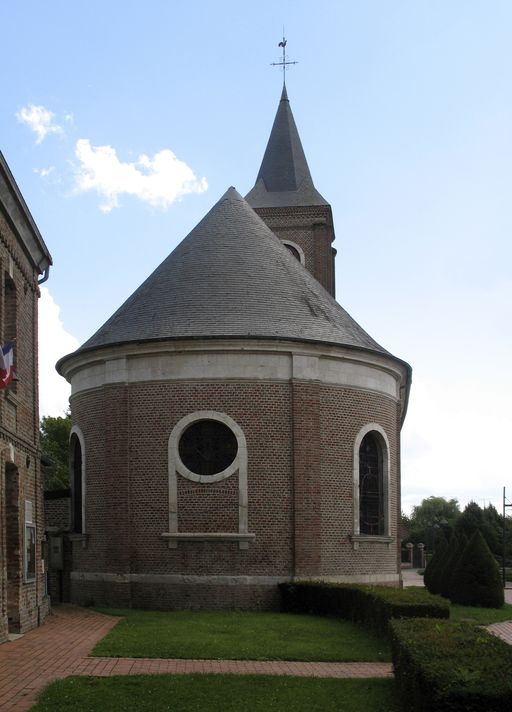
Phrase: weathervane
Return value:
(284, 62)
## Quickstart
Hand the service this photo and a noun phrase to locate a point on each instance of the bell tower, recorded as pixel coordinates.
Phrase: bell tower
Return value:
(285, 197)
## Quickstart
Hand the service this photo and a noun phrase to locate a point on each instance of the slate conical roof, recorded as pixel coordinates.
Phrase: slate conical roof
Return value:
(284, 178)
(231, 277)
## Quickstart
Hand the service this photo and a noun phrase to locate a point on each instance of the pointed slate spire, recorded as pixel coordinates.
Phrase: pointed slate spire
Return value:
(231, 277)
(284, 178)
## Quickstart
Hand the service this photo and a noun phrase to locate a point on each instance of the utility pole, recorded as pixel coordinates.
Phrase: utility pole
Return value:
(506, 504)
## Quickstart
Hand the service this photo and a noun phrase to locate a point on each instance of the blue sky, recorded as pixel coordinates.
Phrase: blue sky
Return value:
(405, 113)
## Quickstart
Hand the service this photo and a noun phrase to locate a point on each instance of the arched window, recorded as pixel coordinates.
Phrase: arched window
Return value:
(77, 471)
(371, 486)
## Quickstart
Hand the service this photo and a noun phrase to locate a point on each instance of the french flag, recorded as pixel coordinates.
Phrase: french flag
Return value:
(6, 365)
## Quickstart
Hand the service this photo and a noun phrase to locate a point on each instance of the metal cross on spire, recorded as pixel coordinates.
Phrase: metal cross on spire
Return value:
(285, 61)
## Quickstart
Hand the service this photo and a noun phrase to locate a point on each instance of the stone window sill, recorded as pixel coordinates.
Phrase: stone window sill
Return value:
(11, 396)
(357, 539)
(175, 537)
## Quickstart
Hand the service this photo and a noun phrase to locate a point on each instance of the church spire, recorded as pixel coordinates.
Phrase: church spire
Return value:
(284, 178)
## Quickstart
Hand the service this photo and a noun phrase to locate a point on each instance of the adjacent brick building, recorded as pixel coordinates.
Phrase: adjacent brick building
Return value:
(233, 426)
(24, 264)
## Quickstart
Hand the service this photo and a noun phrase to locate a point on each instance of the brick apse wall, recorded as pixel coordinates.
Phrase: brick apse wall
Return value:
(300, 439)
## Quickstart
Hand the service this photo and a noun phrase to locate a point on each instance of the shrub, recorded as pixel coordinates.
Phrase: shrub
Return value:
(440, 548)
(450, 667)
(450, 564)
(476, 579)
(437, 575)
(374, 606)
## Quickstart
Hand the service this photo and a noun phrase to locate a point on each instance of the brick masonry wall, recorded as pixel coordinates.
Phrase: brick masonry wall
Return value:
(57, 510)
(19, 427)
(344, 413)
(154, 411)
(300, 440)
(312, 229)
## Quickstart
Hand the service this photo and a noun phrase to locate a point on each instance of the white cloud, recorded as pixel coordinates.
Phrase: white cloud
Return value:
(40, 120)
(54, 342)
(158, 181)
(43, 172)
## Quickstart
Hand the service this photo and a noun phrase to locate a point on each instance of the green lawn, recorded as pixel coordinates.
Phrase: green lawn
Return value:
(483, 616)
(216, 693)
(239, 636)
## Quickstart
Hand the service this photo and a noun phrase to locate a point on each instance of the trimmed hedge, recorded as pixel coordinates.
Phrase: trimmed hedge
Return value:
(450, 667)
(373, 606)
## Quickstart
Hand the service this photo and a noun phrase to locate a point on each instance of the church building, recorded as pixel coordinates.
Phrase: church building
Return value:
(233, 426)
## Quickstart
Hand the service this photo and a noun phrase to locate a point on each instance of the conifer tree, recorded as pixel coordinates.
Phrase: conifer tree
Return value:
(476, 578)
(440, 548)
(437, 575)
(450, 564)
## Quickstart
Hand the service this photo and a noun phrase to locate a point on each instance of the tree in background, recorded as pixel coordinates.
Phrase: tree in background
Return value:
(488, 521)
(54, 434)
(427, 518)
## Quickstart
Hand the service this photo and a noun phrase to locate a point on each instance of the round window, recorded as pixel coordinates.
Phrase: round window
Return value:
(207, 447)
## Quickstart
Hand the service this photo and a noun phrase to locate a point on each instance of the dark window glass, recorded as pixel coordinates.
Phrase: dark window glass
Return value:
(207, 447)
(371, 500)
(30, 552)
(76, 463)
(293, 250)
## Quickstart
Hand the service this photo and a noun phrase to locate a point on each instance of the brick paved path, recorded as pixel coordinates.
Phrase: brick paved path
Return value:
(503, 630)
(60, 647)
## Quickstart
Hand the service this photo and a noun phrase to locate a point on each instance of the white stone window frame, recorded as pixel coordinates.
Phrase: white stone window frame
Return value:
(356, 537)
(302, 256)
(75, 430)
(176, 466)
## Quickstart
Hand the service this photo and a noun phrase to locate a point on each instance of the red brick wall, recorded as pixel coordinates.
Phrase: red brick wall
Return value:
(57, 510)
(312, 229)
(300, 441)
(154, 409)
(344, 412)
(19, 426)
